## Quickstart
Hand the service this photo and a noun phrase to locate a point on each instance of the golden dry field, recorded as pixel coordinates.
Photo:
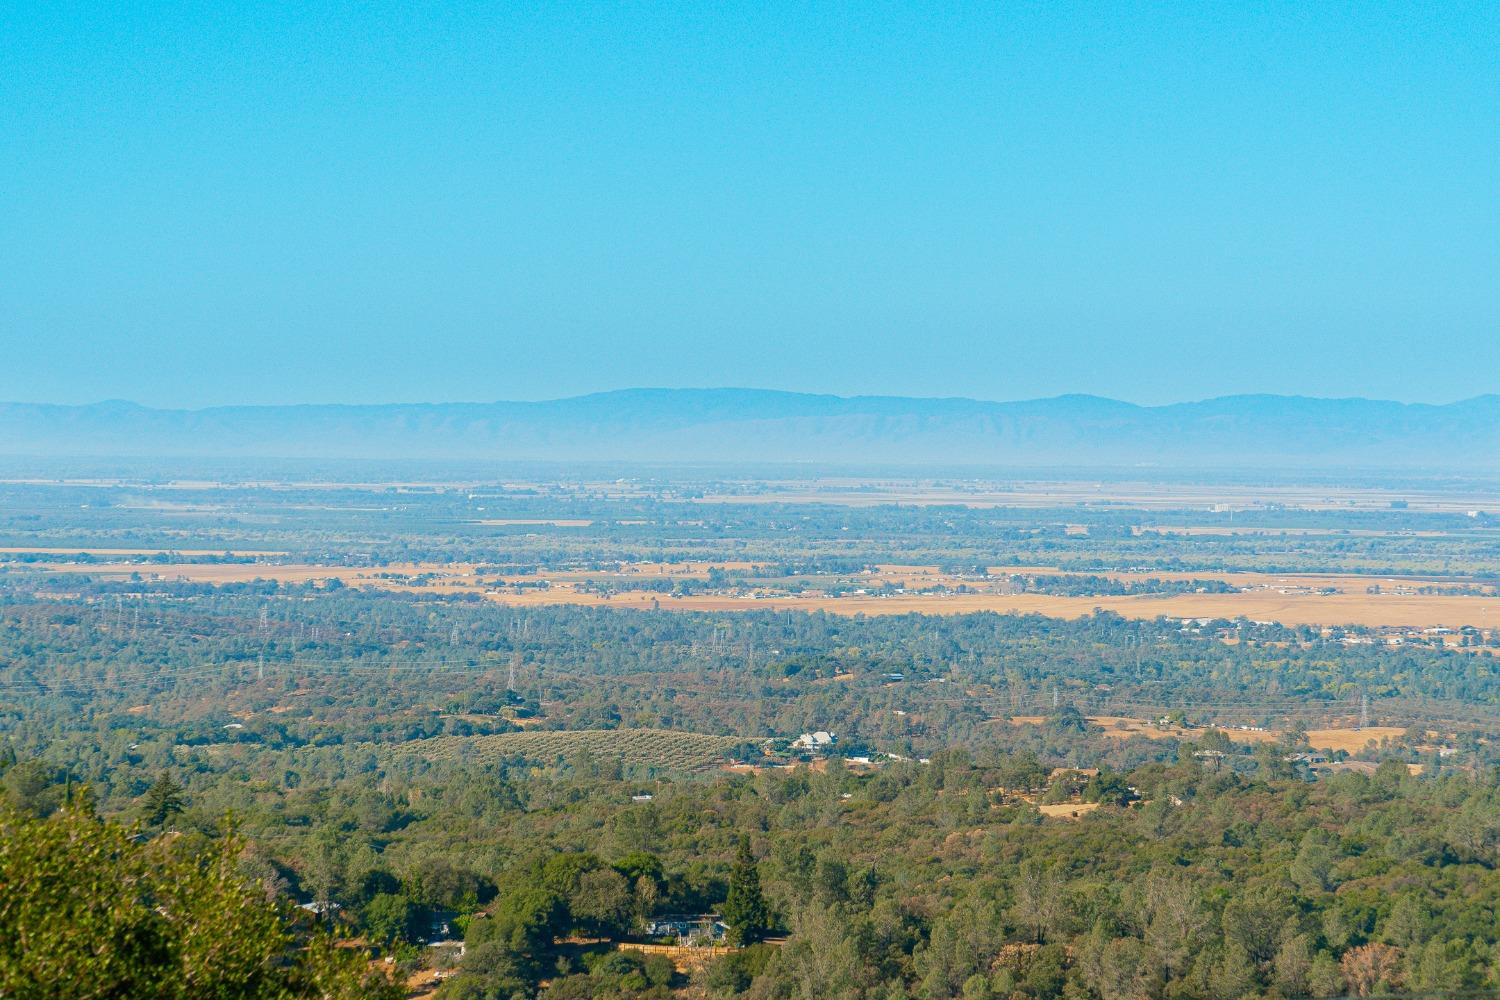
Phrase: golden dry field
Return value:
(1413, 611)
(1350, 739)
(1292, 599)
(1123, 727)
(1353, 740)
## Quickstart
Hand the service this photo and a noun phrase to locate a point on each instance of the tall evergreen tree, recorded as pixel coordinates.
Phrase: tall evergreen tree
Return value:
(163, 800)
(745, 909)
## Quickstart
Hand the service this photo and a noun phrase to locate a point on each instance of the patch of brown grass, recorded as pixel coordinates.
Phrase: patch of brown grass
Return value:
(1067, 810)
(1352, 740)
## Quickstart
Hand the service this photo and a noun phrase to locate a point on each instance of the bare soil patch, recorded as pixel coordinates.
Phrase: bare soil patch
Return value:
(1067, 810)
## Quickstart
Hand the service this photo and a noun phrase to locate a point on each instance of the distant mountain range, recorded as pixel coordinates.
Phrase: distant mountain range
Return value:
(762, 426)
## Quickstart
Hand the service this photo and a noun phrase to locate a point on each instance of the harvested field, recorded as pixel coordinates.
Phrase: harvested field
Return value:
(1411, 611)
(660, 748)
(1292, 599)
(1352, 740)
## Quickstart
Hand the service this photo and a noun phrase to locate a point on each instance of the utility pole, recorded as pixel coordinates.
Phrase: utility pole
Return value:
(1364, 710)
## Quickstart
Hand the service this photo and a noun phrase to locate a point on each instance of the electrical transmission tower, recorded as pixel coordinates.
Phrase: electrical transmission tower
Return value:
(519, 632)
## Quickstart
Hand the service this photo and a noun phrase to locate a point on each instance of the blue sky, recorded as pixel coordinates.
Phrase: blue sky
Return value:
(224, 203)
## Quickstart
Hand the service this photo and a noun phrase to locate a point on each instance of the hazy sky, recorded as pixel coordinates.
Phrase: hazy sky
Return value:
(208, 203)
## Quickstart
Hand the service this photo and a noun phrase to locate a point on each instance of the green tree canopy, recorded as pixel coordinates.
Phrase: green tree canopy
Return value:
(745, 909)
(89, 910)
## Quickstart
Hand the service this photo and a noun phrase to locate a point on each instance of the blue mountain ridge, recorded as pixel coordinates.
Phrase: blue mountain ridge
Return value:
(757, 425)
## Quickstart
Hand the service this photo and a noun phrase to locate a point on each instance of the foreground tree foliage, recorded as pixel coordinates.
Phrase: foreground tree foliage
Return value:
(88, 909)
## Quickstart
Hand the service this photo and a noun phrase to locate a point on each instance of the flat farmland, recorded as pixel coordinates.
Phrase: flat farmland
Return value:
(112, 553)
(1292, 599)
(1408, 611)
(1138, 495)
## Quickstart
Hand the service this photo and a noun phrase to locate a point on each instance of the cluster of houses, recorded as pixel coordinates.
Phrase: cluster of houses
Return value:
(823, 742)
(1382, 635)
